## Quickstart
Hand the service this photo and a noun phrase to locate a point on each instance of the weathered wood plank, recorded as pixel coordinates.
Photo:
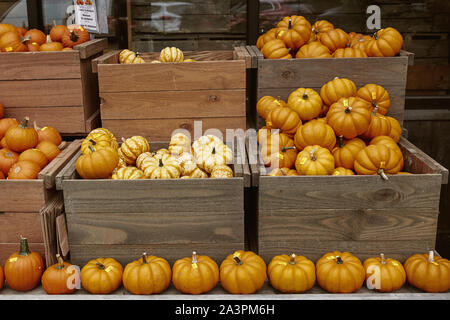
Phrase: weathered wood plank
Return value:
(22, 195)
(91, 48)
(314, 249)
(81, 254)
(201, 75)
(66, 120)
(162, 129)
(16, 224)
(143, 9)
(350, 192)
(39, 65)
(165, 227)
(173, 104)
(347, 225)
(68, 171)
(181, 195)
(91, 100)
(111, 57)
(42, 93)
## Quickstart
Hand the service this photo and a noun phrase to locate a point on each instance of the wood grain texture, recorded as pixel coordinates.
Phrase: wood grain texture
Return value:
(81, 254)
(181, 195)
(162, 129)
(314, 249)
(110, 57)
(173, 104)
(347, 225)
(172, 76)
(165, 227)
(66, 120)
(7, 249)
(350, 192)
(16, 224)
(22, 195)
(40, 65)
(91, 100)
(91, 48)
(42, 93)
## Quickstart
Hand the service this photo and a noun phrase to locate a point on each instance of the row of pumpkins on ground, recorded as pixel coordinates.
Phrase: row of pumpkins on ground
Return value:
(325, 134)
(168, 54)
(24, 150)
(242, 272)
(60, 38)
(295, 37)
(102, 158)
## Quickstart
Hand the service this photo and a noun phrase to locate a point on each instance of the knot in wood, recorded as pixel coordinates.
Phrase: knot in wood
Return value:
(386, 195)
(213, 98)
(186, 126)
(286, 74)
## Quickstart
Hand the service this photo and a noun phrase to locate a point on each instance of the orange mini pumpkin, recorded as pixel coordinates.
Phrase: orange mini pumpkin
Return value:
(12, 42)
(285, 119)
(379, 126)
(378, 159)
(280, 172)
(24, 170)
(320, 26)
(51, 46)
(340, 272)
(267, 104)
(377, 96)
(314, 161)
(349, 117)
(7, 159)
(50, 149)
(74, 36)
(22, 137)
(306, 102)
(278, 151)
(315, 132)
(387, 43)
(34, 155)
(396, 129)
(313, 50)
(57, 33)
(23, 269)
(56, 278)
(336, 89)
(101, 276)
(49, 134)
(243, 272)
(341, 171)
(384, 275)
(195, 275)
(275, 49)
(294, 31)
(334, 39)
(346, 151)
(35, 35)
(349, 53)
(266, 37)
(5, 124)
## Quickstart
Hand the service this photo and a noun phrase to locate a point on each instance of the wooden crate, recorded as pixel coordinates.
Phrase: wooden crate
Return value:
(280, 77)
(168, 217)
(153, 99)
(53, 88)
(24, 201)
(365, 215)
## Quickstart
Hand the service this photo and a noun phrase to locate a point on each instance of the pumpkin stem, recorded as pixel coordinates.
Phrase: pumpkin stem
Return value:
(284, 149)
(383, 174)
(194, 257)
(24, 123)
(431, 256)
(348, 109)
(73, 36)
(383, 260)
(313, 157)
(305, 96)
(91, 148)
(101, 266)
(35, 126)
(92, 142)
(238, 261)
(123, 139)
(292, 259)
(60, 262)
(339, 260)
(290, 23)
(375, 110)
(24, 249)
(341, 141)
(214, 150)
(161, 164)
(144, 258)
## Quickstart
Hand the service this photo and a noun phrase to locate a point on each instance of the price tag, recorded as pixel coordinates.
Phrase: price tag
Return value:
(382, 164)
(8, 49)
(13, 259)
(374, 95)
(108, 269)
(336, 173)
(280, 34)
(395, 264)
(435, 263)
(345, 102)
(194, 266)
(331, 258)
(237, 254)
(268, 123)
(282, 263)
(303, 160)
(280, 156)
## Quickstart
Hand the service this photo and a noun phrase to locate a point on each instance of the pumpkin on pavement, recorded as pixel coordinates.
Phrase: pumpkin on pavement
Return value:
(101, 276)
(384, 274)
(55, 279)
(195, 275)
(291, 274)
(243, 272)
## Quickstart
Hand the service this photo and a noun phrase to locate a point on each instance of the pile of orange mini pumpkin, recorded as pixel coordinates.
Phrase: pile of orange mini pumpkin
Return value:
(242, 272)
(340, 131)
(25, 151)
(295, 37)
(60, 38)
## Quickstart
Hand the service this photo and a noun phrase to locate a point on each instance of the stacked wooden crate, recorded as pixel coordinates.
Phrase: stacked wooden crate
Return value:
(53, 88)
(25, 205)
(189, 25)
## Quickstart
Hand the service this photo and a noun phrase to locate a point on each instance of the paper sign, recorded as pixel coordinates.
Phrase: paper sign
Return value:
(86, 15)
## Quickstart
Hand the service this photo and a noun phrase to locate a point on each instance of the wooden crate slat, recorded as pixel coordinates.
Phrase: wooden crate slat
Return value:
(64, 119)
(143, 9)
(81, 254)
(172, 76)
(314, 249)
(91, 100)
(350, 192)
(16, 224)
(41, 93)
(348, 225)
(158, 227)
(173, 104)
(22, 195)
(91, 48)
(39, 65)
(162, 129)
(182, 195)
